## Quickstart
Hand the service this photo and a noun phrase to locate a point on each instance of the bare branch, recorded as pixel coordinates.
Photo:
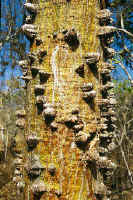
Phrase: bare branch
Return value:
(125, 31)
(125, 161)
(122, 21)
(125, 70)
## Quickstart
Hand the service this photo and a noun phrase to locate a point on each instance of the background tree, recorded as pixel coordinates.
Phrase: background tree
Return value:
(13, 45)
(10, 101)
(12, 96)
(123, 40)
(122, 180)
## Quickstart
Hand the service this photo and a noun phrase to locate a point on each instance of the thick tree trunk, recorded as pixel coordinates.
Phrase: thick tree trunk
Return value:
(64, 93)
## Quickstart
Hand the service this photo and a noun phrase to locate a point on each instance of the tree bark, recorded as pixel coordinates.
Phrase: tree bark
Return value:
(69, 124)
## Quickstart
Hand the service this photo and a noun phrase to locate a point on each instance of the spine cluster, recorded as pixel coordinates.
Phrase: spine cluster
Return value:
(94, 145)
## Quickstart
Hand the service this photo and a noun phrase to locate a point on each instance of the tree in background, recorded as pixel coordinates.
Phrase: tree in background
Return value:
(10, 100)
(123, 40)
(122, 180)
(12, 96)
(13, 45)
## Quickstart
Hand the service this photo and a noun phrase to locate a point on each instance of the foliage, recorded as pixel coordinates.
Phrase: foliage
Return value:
(123, 177)
(10, 100)
(123, 43)
(13, 44)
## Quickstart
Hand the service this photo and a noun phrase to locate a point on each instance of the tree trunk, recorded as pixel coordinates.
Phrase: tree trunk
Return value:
(63, 116)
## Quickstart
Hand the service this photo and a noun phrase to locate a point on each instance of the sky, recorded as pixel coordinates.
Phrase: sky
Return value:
(12, 12)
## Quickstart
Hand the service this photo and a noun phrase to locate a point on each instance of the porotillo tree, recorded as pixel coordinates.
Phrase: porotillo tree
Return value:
(67, 124)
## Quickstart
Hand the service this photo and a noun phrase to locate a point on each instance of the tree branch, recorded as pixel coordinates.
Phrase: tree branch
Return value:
(125, 31)
(125, 70)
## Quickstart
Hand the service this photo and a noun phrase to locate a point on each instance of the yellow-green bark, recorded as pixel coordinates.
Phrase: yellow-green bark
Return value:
(72, 177)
